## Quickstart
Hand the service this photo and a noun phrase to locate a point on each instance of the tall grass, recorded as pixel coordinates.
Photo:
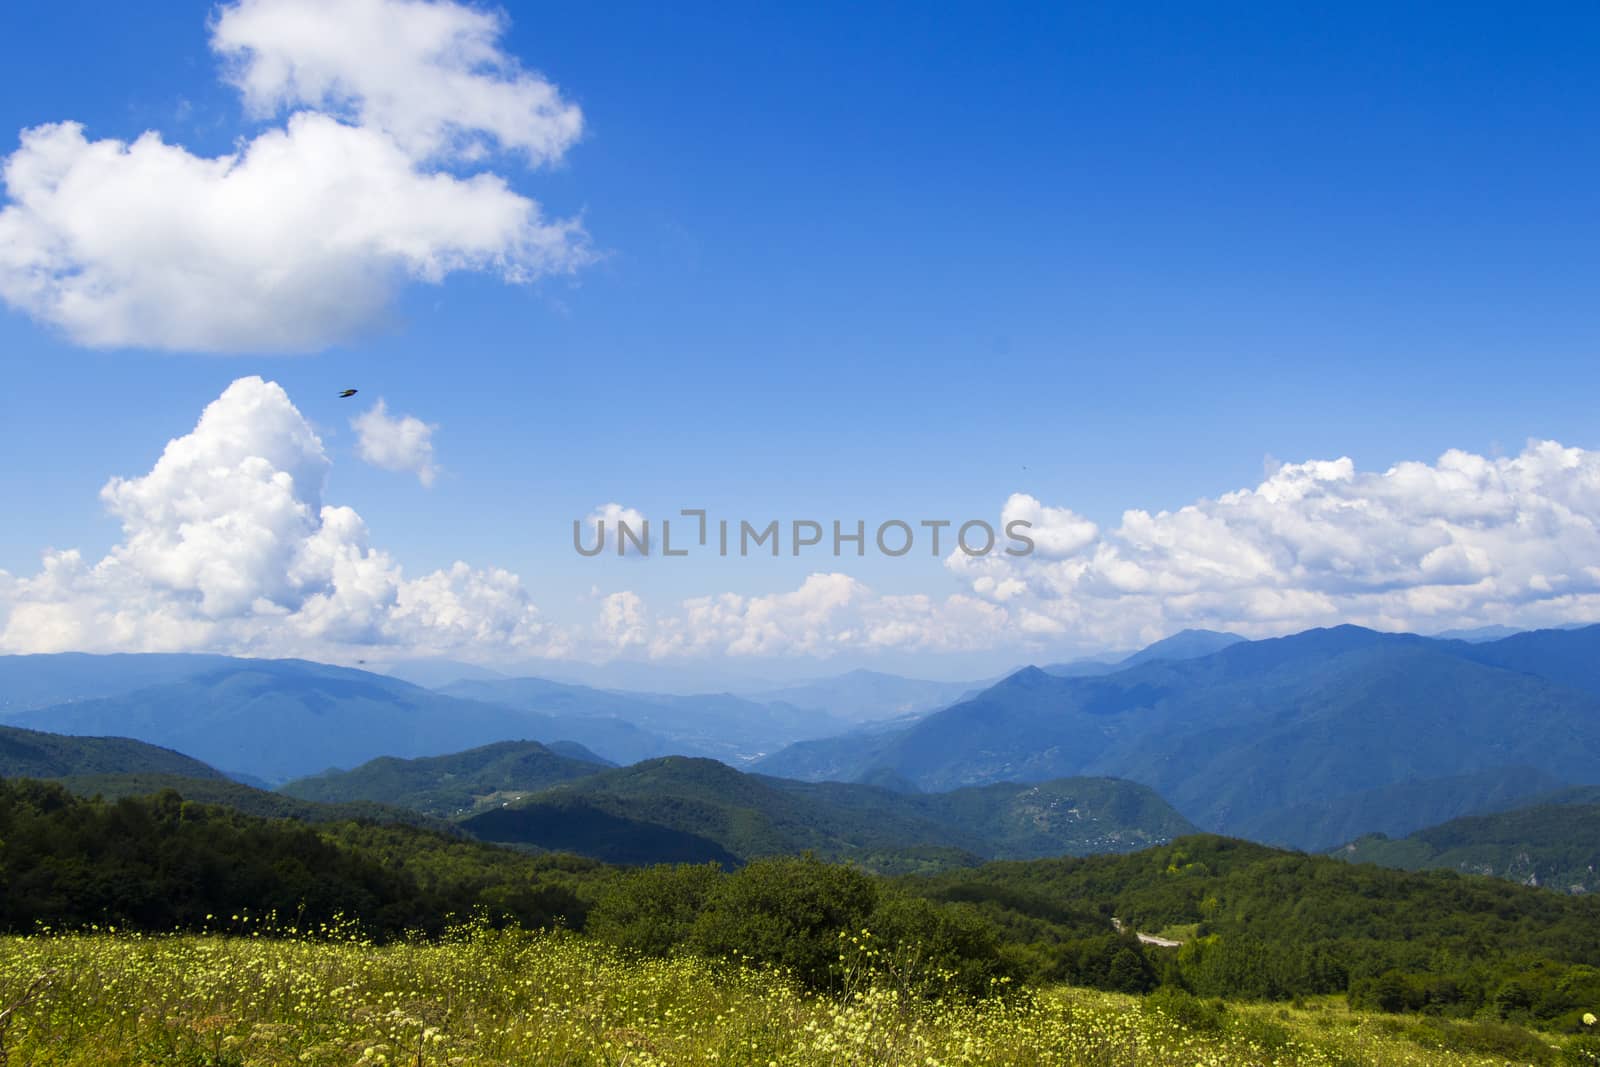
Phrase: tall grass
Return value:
(498, 999)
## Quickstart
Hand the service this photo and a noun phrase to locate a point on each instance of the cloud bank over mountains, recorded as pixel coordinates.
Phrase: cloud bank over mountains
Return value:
(1464, 541)
(228, 545)
(300, 237)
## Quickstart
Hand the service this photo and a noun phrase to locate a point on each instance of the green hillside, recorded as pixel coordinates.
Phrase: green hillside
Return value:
(1554, 845)
(749, 816)
(1067, 816)
(32, 754)
(1260, 922)
(447, 786)
(247, 800)
(162, 862)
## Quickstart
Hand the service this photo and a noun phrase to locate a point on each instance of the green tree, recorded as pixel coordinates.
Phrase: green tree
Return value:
(789, 912)
(654, 909)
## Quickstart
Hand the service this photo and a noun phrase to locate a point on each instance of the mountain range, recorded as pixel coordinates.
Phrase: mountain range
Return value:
(272, 720)
(1185, 644)
(39, 681)
(674, 809)
(679, 809)
(268, 721)
(721, 725)
(1309, 740)
(863, 696)
(1290, 740)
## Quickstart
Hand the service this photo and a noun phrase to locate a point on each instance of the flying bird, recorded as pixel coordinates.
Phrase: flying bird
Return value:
(348, 393)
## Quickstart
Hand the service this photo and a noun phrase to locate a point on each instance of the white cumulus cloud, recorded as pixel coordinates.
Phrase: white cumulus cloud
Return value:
(300, 237)
(227, 545)
(395, 443)
(1056, 532)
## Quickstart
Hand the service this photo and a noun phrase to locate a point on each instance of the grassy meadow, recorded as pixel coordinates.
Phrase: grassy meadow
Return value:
(481, 997)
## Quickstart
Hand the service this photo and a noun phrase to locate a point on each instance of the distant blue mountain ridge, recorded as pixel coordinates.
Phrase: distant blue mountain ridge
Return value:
(1306, 740)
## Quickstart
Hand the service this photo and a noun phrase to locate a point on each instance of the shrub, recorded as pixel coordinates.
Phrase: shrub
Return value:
(1188, 1010)
(653, 910)
(788, 912)
(933, 950)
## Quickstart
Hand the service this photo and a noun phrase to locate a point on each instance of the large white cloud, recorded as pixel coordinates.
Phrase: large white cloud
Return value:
(1464, 541)
(395, 442)
(227, 545)
(300, 236)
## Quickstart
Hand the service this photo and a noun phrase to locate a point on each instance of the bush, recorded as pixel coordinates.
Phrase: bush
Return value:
(1188, 1011)
(1263, 1033)
(936, 950)
(787, 912)
(653, 910)
(831, 926)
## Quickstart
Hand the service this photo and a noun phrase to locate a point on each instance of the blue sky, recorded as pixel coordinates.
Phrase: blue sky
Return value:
(885, 264)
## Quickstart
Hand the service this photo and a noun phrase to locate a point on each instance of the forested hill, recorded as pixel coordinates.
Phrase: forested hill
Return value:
(451, 785)
(33, 754)
(1554, 844)
(1257, 921)
(246, 800)
(161, 862)
(620, 815)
